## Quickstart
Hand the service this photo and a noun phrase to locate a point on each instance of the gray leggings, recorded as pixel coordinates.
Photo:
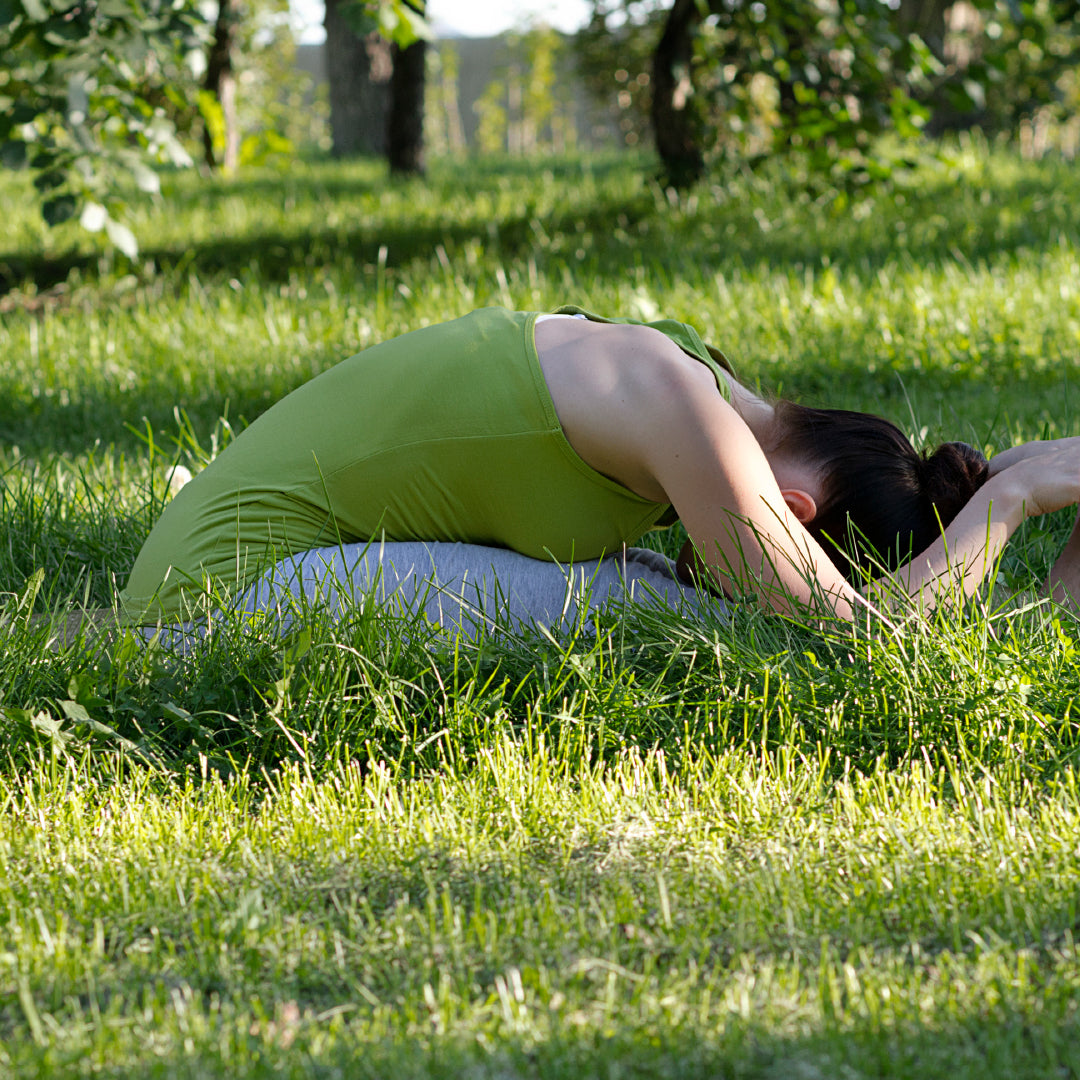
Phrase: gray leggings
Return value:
(465, 587)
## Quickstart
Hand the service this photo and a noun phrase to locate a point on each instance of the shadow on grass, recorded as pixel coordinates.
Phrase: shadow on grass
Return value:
(942, 220)
(1009, 1046)
(275, 253)
(73, 528)
(104, 417)
(618, 226)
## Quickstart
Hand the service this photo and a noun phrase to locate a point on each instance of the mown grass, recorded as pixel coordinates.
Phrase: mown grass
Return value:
(660, 847)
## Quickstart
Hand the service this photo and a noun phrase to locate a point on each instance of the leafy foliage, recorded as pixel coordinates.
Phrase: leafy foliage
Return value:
(399, 21)
(819, 79)
(1011, 60)
(94, 94)
(87, 98)
(615, 54)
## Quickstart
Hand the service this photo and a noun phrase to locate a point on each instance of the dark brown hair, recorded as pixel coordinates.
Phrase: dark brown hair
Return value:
(881, 501)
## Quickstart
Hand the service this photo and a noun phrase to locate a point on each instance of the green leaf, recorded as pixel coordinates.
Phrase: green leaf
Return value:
(177, 712)
(58, 210)
(50, 727)
(79, 714)
(401, 24)
(74, 711)
(357, 17)
(62, 33)
(296, 647)
(23, 113)
(13, 154)
(41, 723)
(50, 179)
(35, 10)
(81, 689)
(30, 591)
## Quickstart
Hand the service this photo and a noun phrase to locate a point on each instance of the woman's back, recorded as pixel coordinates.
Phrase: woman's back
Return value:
(447, 433)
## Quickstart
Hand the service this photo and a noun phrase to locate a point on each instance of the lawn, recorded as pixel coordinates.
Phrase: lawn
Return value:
(651, 847)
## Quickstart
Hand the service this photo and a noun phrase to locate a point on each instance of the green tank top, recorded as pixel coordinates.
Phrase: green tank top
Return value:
(445, 433)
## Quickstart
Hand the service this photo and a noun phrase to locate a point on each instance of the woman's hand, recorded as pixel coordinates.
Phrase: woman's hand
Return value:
(1026, 451)
(1045, 478)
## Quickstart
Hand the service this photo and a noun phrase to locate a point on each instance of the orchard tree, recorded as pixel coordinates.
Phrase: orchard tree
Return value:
(220, 125)
(359, 67)
(405, 122)
(94, 94)
(819, 79)
(375, 58)
(252, 46)
(678, 117)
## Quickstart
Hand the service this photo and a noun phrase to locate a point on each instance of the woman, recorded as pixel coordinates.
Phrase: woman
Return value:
(568, 436)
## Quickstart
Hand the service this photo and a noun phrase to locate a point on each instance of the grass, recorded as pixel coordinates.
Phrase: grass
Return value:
(667, 848)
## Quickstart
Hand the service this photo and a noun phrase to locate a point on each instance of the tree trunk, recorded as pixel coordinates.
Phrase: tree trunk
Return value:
(220, 80)
(927, 19)
(675, 117)
(359, 70)
(405, 130)
(789, 34)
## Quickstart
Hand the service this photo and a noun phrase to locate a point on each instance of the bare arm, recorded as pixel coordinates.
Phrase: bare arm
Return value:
(713, 470)
(961, 559)
(719, 480)
(1063, 582)
(641, 412)
(1029, 450)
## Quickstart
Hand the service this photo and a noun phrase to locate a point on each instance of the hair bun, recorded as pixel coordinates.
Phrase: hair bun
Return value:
(951, 475)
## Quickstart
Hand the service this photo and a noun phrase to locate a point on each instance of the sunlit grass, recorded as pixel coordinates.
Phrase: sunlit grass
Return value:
(653, 846)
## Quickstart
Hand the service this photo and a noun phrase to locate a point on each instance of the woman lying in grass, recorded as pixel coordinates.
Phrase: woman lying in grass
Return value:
(565, 437)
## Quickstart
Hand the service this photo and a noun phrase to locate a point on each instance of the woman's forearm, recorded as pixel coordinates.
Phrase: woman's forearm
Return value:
(966, 553)
(788, 569)
(1039, 448)
(1063, 582)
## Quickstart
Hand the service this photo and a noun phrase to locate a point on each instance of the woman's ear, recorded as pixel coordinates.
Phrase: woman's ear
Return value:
(801, 504)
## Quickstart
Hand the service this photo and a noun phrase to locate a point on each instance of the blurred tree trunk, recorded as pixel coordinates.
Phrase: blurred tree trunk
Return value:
(791, 30)
(220, 80)
(675, 120)
(405, 130)
(359, 68)
(927, 19)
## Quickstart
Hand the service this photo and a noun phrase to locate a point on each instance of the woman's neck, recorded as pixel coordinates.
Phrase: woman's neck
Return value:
(758, 415)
